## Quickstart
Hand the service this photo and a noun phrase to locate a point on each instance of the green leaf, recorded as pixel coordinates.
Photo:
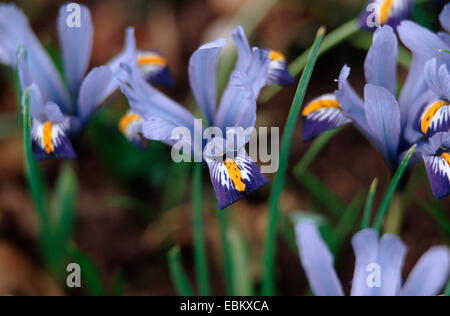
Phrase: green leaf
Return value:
(268, 287)
(178, 274)
(200, 260)
(445, 51)
(89, 271)
(334, 38)
(369, 205)
(447, 290)
(226, 250)
(392, 188)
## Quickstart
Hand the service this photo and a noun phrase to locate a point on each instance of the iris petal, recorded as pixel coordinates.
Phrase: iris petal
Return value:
(438, 170)
(76, 44)
(445, 18)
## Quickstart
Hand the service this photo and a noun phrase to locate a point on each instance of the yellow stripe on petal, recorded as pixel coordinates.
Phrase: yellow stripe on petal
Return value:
(147, 60)
(127, 119)
(385, 11)
(446, 157)
(276, 56)
(47, 137)
(235, 174)
(319, 105)
(429, 115)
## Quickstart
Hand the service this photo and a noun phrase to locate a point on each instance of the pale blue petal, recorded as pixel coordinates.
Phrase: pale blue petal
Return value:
(146, 101)
(76, 43)
(24, 70)
(37, 108)
(445, 18)
(53, 113)
(202, 77)
(238, 104)
(92, 91)
(365, 247)
(380, 65)
(258, 70)
(155, 128)
(438, 79)
(317, 261)
(14, 32)
(391, 257)
(383, 118)
(430, 275)
(244, 50)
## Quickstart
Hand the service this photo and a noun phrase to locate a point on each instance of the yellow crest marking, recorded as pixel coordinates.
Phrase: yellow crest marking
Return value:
(47, 137)
(320, 104)
(235, 174)
(127, 119)
(385, 11)
(446, 156)
(152, 60)
(429, 115)
(276, 55)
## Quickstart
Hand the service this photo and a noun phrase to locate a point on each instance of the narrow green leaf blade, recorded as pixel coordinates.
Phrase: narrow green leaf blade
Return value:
(177, 273)
(369, 205)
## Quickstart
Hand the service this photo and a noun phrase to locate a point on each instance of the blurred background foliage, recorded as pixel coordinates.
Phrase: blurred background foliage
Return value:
(119, 211)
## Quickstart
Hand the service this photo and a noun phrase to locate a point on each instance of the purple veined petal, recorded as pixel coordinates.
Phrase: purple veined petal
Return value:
(76, 39)
(238, 104)
(438, 170)
(391, 256)
(92, 91)
(278, 70)
(154, 69)
(434, 117)
(146, 101)
(37, 106)
(413, 88)
(53, 113)
(202, 77)
(445, 18)
(438, 79)
(380, 65)
(382, 12)
(258, 70)
(422, 42)
(244, 51)
(131, 126)
(49, 140)
(322, 114)
(128, 56)
(383, 118)
(15, 31)
(234, 177)
(317, 261)
(430, 275)
(365, 246)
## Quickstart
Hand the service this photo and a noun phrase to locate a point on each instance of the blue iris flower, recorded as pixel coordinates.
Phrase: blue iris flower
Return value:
(421, 112)
(61, 106)
(378, 265)
(384, 12)
(237, 175)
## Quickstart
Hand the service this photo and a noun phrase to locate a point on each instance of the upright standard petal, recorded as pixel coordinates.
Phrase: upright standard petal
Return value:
(445, 18)
(76, 37)
(383, 118)
(234, 175)
(322, 114)
(15, 31)
(365, 246)
(244, 51)
(92, 91)
(146, 101)
(202, 77)
(37, 105)
(438, 79)
(238, 104)
(317, 261)
(391, 256)
(380, 65)
(430, 275)
(381, 12)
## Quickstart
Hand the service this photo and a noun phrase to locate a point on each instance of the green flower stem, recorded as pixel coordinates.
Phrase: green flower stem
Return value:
(369, 205)
(335, 37)
(391, 190)
(179, 277)
(226, 251)
(268, 287)
(394, 216)
(201, 265)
